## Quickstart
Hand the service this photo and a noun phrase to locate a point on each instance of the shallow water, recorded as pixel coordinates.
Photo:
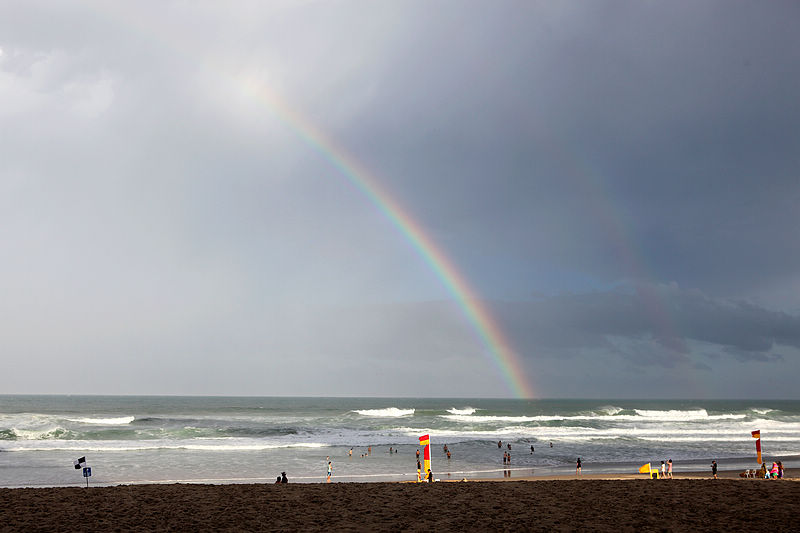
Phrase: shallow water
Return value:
(231, 439)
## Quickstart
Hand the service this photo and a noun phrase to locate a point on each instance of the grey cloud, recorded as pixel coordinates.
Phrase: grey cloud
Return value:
(662, 321)
(153, 203)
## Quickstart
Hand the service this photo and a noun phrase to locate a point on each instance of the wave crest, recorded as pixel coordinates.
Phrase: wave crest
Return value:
(389, 412)
(464, 411)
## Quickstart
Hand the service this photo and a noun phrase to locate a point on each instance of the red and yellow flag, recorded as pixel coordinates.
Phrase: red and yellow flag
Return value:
(757, 435)
(425, 440)
(645, 469)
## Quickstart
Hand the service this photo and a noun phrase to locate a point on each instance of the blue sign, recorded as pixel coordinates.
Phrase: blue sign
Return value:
(87, 471)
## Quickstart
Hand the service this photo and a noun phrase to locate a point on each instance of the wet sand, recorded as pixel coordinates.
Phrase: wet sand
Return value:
(598, 503)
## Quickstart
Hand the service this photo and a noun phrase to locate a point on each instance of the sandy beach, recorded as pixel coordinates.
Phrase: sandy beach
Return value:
(562, 504)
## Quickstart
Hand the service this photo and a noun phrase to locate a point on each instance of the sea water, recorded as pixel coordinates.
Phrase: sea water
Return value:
(252, 440)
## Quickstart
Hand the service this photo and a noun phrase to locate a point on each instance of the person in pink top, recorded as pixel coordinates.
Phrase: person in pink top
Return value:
(669, 469)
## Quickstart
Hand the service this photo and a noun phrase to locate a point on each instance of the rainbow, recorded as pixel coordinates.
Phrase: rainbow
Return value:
(497, 347)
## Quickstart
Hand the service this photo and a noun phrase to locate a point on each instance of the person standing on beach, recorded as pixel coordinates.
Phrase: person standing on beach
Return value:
(284, 479)
(417, 454)
(714, 469)
(669, 469)
(330, 471)
(578, 467)
(430, 476)
(663, 470)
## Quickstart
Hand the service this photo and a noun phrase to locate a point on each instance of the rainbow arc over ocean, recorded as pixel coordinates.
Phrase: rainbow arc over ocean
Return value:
(496, 346)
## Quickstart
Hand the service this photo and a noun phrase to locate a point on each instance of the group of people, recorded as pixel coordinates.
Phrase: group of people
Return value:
(282, 478)
(776, 472)
(666, 469)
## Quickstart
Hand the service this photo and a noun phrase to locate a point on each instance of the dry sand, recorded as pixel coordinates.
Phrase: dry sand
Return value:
(524, 505)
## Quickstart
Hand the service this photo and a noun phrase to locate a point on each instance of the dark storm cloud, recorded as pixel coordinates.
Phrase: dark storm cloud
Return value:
(662, 318)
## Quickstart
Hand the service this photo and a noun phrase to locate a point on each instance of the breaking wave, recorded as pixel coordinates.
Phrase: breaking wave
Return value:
(389, 412)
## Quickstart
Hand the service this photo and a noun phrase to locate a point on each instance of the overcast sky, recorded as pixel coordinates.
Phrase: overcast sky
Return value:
(618, 182)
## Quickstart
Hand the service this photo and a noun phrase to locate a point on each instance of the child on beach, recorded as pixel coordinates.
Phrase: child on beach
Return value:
(330, 471)
(578, 467)
(669, 469)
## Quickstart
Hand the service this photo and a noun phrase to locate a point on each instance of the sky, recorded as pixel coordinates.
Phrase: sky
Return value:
(449, 198)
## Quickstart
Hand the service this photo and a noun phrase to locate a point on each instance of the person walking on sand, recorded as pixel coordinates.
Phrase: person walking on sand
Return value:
(663, 470)
(578, 467)
(669, 469)
(714, 469)
(330, 471)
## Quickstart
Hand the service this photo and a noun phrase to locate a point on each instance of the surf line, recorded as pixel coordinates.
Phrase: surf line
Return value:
(491, 336)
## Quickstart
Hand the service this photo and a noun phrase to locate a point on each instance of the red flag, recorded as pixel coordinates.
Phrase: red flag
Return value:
(756, 434)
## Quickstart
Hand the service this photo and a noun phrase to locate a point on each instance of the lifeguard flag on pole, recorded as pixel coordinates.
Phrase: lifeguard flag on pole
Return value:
(425, 440)
(644, 469)
(757, 435)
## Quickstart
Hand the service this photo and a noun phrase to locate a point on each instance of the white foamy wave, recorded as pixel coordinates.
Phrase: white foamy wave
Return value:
(693, 414)
(208, 445)
(610, 410)
(118, 421)
(761, 411)
(389, 412)
(464, 411)
(39, 434)
(488, 419)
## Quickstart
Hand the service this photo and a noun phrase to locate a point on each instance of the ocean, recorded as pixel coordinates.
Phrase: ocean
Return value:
(148, 439)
